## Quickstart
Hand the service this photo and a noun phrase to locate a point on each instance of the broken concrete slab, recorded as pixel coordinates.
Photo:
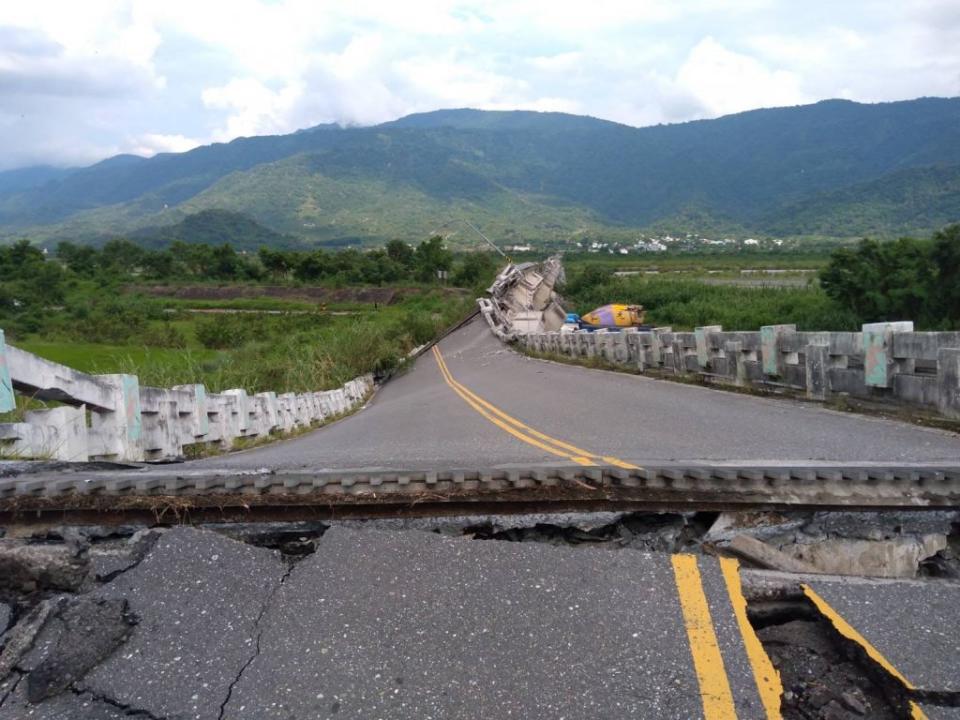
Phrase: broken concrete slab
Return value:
(77, 635)
(21, 636)
(768, 557)
(67, 706)
(763, 525)
(881, 526)
(25, 568)
(912, 625)
(417, 625)
(198, 597)
(8, 689)
(6, 614)
(895, 558)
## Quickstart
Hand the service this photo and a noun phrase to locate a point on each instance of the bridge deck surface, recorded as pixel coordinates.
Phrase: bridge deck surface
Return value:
(424, 420)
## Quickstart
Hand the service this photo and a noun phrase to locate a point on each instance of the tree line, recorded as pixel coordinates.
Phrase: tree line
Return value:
(83, 279)
(396, 262)
(907, 279)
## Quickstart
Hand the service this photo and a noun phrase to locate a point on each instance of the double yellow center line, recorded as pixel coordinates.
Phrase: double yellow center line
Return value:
(715, 691)
(520, 430)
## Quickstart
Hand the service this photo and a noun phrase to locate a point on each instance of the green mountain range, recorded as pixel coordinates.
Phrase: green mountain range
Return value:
(835, 168)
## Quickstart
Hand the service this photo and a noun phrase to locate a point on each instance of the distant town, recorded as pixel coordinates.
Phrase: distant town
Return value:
(662, 243)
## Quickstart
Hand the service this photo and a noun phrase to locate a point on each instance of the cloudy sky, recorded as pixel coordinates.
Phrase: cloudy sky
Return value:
(80, 81)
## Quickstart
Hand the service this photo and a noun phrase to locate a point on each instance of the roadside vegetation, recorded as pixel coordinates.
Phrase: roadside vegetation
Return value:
(202, 313)
(82, 307)
(906, 279)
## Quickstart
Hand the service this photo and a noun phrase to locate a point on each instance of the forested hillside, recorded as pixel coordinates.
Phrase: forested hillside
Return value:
(834, 168)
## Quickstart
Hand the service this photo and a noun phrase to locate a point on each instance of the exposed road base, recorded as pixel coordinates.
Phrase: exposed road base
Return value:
(239, 495)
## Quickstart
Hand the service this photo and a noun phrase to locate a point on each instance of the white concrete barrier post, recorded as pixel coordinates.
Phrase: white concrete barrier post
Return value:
(53, 434)
(770, 356)
(8, 400)
(878, 363)
(195, 423)
(817, 362)
(116, 434)
(701, 337)
(241, 409)
(271, 413)
(948, 381)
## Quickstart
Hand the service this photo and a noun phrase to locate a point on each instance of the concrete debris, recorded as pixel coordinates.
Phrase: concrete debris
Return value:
(20, 638)
(760, 525)
(891, 544)
(765, 556)
(820, 681)
(881, 525)
(652, 532)
(458, 525)
(8, 686)
(78, 634)
(27, 568)
(896, 558)
(6, 614)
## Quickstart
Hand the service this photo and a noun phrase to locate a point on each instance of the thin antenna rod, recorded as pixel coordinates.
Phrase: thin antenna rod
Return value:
(489, 241)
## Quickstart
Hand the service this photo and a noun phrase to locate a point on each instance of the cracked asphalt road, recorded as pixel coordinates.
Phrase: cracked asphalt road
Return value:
(398, 624)
(418, 421)
(409, 624)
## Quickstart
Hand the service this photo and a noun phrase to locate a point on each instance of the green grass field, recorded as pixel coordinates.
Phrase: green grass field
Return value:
(153, 365)
(287, 351)
(698, 263)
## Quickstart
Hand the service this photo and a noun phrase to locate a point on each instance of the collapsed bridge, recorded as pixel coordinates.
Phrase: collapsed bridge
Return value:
(491, 534)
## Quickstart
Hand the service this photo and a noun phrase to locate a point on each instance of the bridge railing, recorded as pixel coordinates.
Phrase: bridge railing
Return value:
(113, 417)
(884, 361)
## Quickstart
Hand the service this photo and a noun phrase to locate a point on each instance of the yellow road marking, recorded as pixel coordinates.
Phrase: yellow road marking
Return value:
(849, 632)
(497, 411)
(767, 677)
(715, 690)
(519, 429)
(501, 424)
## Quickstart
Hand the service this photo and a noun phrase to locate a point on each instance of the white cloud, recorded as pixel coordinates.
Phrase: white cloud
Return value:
(727, 82)
(82, 79)
(254, 109)
(152, 143)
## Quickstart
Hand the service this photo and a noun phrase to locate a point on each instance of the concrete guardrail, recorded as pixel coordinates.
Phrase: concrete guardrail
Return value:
(113, 417)
(885, 361)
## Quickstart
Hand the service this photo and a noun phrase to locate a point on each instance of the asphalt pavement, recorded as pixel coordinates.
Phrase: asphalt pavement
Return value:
(410, 624)
(403, 625)
(495, 406)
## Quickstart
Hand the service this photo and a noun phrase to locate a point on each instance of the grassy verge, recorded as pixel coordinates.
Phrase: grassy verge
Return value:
(285, 352)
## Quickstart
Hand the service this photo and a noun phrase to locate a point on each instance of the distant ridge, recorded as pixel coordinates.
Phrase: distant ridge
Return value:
(832, 168)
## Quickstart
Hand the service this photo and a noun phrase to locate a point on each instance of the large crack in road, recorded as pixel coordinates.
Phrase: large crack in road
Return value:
(298, 620)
